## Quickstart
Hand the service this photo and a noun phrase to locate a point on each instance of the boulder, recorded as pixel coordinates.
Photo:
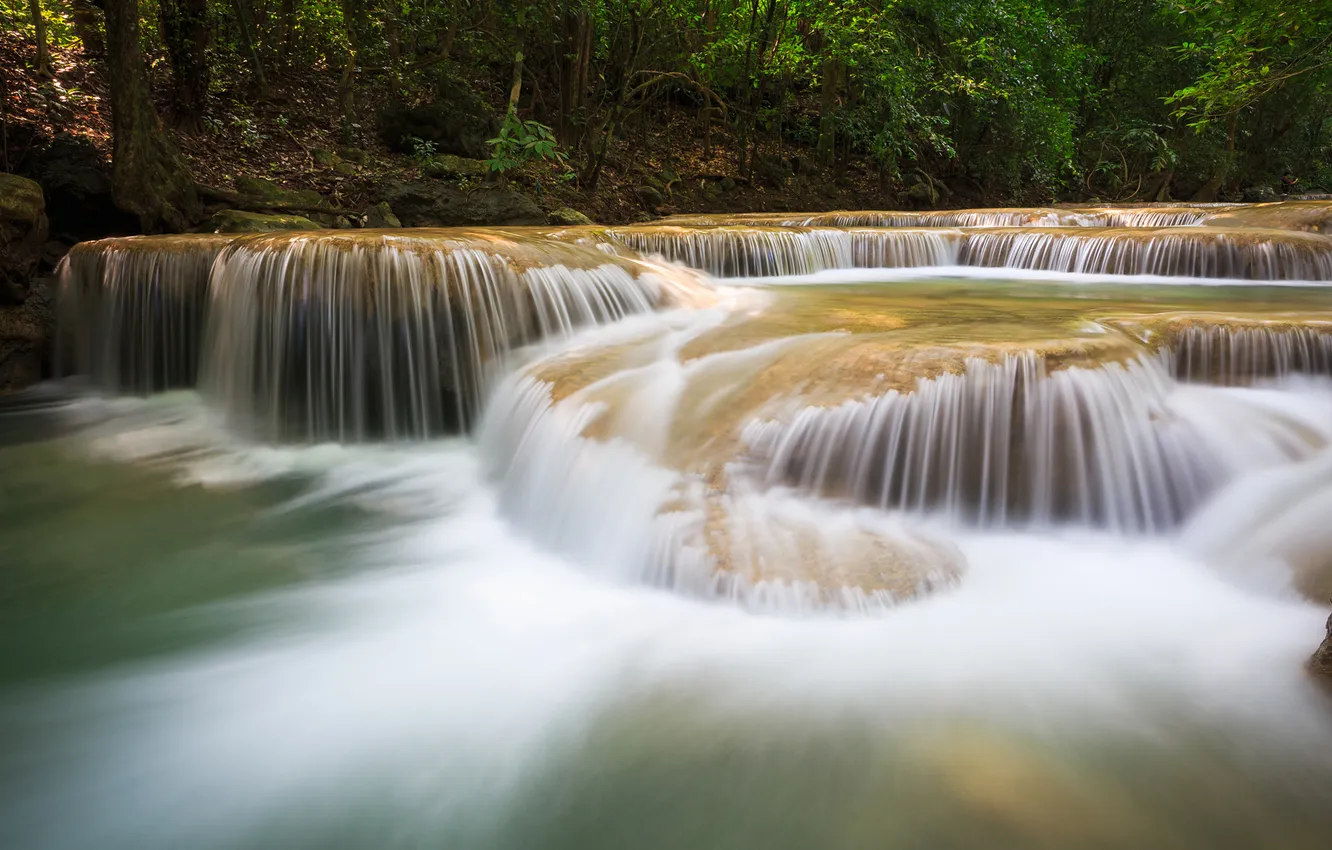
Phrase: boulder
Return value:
(1258, 195)
(240, 221)
(23, 229)
(323, 157)
(772, 172)
(568, 217)
(76, 181)
(1321, 662)
(458, 122)
(355, 155)
(25, 333)
(266, 191)
(448, 165)
(651, 197)
(435, 204)
(380, 216)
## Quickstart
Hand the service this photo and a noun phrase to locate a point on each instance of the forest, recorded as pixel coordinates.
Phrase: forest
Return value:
(629, 108)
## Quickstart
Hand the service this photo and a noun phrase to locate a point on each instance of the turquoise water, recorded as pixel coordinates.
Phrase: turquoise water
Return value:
(215, 644)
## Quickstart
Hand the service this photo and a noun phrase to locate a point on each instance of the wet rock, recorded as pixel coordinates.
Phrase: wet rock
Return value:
(266, 191)
(1321, 662)
(458, 122)
(240, 221)
(23, 229)
(76, 181)
(435, 204)
(569, 217)
(381, 215)
(449, 166)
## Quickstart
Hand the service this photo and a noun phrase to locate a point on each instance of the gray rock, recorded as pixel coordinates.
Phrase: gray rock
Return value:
(381, 216)
(569, 217)
(436, 204)
(240, 221)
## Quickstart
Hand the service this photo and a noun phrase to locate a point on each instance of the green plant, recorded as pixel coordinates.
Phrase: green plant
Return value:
(520, 142)
(423, 150)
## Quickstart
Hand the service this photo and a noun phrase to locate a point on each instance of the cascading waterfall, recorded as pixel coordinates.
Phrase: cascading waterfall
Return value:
(1237, 354)
(131, 310)
(1118, 446)
(396, 335)
(1174, 252)
(1170, 215)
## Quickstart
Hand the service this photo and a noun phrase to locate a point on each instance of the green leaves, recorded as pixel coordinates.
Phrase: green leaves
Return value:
(520, 142)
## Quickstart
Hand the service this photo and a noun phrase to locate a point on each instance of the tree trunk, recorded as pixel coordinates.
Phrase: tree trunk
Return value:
(286, 31)
(185, 32)
(1212, 188)
(148, 177)
(516, 87)
(831, 79)
(245, 21)
(43, 68)
(87, 26)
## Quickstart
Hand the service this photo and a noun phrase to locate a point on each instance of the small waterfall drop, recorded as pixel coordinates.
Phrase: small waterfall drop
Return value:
(1176, 252)
(1119, 445)
(1194, 252)
(397, 335)
(1239, 354)
(132, 310)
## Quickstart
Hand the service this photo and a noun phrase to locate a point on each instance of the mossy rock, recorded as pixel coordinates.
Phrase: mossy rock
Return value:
(323, 157)
(23, 231)
(269, 192)
(447, 165)
(568, 217)
(381, 215)
(240, 221)
(355, 155)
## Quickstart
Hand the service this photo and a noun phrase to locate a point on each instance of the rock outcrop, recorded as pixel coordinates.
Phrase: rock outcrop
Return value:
(1321, 662)
(240, 221)
(25, 317)
(437, 204)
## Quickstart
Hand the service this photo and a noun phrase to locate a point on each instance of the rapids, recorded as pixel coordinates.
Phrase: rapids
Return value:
(552, 538)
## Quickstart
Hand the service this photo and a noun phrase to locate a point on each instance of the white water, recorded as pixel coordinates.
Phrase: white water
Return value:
(440, 694)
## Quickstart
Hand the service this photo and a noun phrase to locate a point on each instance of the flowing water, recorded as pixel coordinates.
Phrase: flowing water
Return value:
(873, 556)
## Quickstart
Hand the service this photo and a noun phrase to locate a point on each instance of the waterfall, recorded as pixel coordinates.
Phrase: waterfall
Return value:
(131, 310)
(1119, 445)
(354, 336)
(763, 251)
(1181, 252)
(1234, 353)
(1170, 215)
(773, 251)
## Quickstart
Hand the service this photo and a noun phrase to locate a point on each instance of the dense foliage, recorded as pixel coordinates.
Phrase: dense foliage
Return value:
(1019, 99)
